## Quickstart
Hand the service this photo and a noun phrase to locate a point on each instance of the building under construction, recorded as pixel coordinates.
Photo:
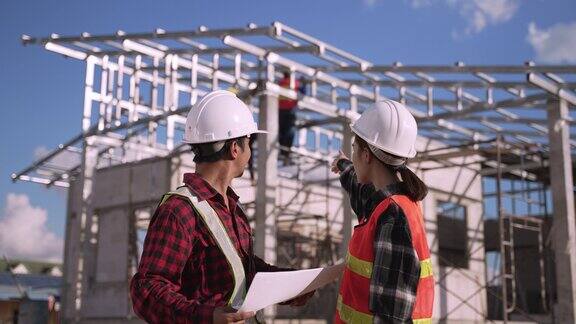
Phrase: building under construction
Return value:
(495, 148)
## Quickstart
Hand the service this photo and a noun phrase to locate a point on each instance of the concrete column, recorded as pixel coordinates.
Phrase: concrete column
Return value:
(563, 236)
(108, 293)
(71, 252)
(266, 211)
(346, 208)
(88, 225)
(267, 182)
(78, 248)
(78, 217)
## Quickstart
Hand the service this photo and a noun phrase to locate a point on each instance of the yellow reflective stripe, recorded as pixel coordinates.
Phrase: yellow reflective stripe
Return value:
(350, 315)
(422, 321)
(361, 267)
(164, 198)
(425, 268)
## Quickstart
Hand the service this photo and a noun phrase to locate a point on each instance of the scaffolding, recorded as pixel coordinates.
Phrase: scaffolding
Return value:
(501, 122)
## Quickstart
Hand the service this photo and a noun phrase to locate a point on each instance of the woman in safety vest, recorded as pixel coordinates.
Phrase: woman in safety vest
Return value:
(388, 274)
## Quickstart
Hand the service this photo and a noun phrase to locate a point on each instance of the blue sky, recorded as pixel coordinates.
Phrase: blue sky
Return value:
(42, 92)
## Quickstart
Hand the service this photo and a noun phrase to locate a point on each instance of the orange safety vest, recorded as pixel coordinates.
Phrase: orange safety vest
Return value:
(285, 103)
(354, 298)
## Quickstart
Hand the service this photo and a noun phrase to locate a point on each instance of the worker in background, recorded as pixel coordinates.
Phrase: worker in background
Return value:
(388, 274)
(287, 115)
(198, 258)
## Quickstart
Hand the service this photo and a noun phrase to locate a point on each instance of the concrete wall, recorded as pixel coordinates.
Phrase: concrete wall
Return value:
(72, 249)
(118, 192)
(458, 295)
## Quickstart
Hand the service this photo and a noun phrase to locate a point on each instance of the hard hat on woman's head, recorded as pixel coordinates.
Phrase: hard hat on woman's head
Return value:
(219, 116)
(390, 127)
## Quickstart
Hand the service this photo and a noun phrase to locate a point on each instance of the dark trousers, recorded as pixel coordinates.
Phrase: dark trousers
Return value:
(286, 128)
(251, 160)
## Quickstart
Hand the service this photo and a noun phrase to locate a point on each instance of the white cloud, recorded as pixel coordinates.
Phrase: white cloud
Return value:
(481, 13)
(370, 3)
(23, 232)
(478, 14)
(556, 44)
(497, 10)
(419, 3)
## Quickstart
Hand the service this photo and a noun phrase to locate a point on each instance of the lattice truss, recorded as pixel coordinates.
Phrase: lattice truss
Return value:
(139, 87)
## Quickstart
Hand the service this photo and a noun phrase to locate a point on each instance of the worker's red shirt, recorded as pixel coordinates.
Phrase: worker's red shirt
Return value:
(183, 275)
(287, 103)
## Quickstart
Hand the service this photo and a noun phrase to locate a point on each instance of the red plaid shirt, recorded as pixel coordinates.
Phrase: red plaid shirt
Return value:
(183, 275)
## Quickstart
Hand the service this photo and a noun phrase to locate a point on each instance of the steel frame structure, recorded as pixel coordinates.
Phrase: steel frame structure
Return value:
(171, 65)
(139, 87)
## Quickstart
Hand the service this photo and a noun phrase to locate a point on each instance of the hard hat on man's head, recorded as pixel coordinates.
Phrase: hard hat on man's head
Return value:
(388, 126)
(219, 116)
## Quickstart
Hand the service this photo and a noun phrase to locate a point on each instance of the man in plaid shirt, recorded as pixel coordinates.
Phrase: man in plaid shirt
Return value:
(183, 275)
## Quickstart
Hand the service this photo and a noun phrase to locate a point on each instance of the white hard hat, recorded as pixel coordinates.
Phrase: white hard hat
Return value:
(388, 126)
(219, 116)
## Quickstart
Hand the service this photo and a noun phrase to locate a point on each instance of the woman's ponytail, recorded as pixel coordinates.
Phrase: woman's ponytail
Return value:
(416, 189)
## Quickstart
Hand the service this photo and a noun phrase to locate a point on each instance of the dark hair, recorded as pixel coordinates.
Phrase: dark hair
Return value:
(286, 74)
(415, 188)
(205, 152)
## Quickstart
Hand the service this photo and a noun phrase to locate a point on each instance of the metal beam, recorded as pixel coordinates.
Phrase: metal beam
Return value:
(484, 106)
(553, 88)
(450, 84)
(346, 206)
(202, 32)
(505, 120)
(515, 167)
(466, 69)
(207, 51)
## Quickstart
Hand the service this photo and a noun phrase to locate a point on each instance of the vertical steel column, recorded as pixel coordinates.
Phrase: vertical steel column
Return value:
(353, 99)
(119, 90)
(171, 95)
(103, 92)
(135, 90)
(194, 79)
(215, 67)
(346, 207)
(265, 240)
(430, 101)
(563, 230)
(109, 96)
(267, 182)
(152, 126)
(500, 212)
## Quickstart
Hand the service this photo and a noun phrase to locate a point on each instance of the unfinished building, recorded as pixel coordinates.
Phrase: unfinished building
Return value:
(495, 149)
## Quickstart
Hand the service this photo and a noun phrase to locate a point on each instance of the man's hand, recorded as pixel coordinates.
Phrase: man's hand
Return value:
(230, 315)
(334, 166)
(300, 300)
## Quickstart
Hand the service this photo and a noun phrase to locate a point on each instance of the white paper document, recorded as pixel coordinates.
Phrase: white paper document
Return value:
(269, 288)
